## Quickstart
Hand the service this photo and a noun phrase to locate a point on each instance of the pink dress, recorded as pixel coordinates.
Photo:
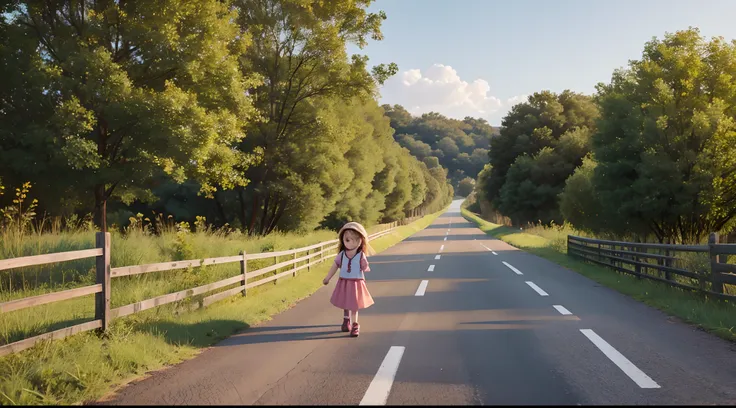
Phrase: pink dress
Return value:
(351, 292)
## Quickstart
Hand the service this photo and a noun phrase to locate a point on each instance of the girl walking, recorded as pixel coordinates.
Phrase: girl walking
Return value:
(351, 293)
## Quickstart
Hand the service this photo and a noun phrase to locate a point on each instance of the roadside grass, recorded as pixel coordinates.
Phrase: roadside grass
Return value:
(85, 367)
(714, 316)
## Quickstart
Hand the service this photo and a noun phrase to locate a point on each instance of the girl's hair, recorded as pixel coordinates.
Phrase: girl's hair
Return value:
(364, 246)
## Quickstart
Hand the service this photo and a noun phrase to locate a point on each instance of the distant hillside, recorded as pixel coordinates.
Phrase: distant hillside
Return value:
(460, 146)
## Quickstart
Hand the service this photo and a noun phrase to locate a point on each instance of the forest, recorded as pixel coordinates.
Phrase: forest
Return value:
(650, 157)
(248, 114)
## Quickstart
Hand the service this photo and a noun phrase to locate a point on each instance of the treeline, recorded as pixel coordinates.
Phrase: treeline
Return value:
(247, 112)
(650, 156)
(460, 146)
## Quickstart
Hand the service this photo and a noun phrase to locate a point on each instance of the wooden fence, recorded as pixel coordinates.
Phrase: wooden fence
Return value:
(312, 255)
(702, 268)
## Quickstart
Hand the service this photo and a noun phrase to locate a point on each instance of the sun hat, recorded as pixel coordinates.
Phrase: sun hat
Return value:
(356, 226)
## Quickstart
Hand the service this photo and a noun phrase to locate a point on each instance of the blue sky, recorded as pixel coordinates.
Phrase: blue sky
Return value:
(493, 53)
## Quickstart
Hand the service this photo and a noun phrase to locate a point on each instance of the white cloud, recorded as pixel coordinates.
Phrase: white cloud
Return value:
(440, 89)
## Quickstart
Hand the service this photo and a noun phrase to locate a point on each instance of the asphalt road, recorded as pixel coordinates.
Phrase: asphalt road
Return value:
(491, 325)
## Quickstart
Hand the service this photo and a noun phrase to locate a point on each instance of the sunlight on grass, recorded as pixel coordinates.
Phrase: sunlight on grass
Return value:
(85, 367)
(717, 317)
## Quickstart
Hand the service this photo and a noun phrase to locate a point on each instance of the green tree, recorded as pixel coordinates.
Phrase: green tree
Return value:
(581, 206)
(359, 201)
(533, 184)
(418, 149)
(666, 143)
(449, 147)
(299, 51)
(466, 187)
(136, 89)
(401, 120)
(431, 162)
(533, 125)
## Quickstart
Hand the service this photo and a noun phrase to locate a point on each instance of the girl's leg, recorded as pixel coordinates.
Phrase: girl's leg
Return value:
(355, 330)
(346, 321)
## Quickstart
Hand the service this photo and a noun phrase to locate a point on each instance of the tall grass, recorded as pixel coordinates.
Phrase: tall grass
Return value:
(550, 242)
(85, 366)
(145, 240)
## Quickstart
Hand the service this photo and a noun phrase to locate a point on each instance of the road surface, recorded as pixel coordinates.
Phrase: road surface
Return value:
(459, 318)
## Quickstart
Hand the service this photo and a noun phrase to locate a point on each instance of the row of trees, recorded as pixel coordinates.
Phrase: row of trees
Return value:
(249, 112)
(460, 146)
(651, 155)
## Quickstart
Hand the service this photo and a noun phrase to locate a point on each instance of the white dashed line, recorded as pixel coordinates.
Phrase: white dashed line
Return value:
(494, 253)
(378, 391)
(518, 272)
(431, 268)
(437, 256)
(537, 288)
(641, 379)
(562, 310)
(442, 247)
(422, 288)
(445, 239)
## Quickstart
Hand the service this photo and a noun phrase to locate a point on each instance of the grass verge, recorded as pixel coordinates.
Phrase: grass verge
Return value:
(86, 367)
(714, 316)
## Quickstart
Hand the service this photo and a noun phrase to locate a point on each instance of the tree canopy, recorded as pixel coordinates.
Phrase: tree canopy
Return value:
(248, 112)
(652, 155)
(460, 146)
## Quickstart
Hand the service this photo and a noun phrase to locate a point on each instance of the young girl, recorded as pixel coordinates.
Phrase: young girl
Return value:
(351, 293)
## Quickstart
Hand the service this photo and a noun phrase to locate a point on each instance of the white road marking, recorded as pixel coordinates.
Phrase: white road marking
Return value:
(518, 272)
(445, 239)
(442, 247)
(431, 268)
(562, 310)
(437, 256)
(537, 288)
(422, 288)
(494, 253)
(641, 379)
(378, 391)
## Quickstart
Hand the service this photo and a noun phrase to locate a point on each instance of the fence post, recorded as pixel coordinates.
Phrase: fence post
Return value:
(668, 264)
(244, 271)
(102, 299)
(715, 281)
(294, 268)
(637, 267)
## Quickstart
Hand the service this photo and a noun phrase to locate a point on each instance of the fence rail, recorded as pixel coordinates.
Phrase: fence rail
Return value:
(702, 268)
(102, 289)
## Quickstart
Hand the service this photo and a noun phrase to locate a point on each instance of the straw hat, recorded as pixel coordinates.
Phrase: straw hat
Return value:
(360, 230)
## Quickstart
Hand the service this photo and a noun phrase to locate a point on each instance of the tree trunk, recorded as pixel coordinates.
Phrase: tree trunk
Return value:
(101, 207)
(264, 215)
(275, 221)
(221, 209)
(253, 213)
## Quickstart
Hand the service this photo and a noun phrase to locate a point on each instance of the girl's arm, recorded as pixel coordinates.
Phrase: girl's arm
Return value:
(364, 263)
(330, 274)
